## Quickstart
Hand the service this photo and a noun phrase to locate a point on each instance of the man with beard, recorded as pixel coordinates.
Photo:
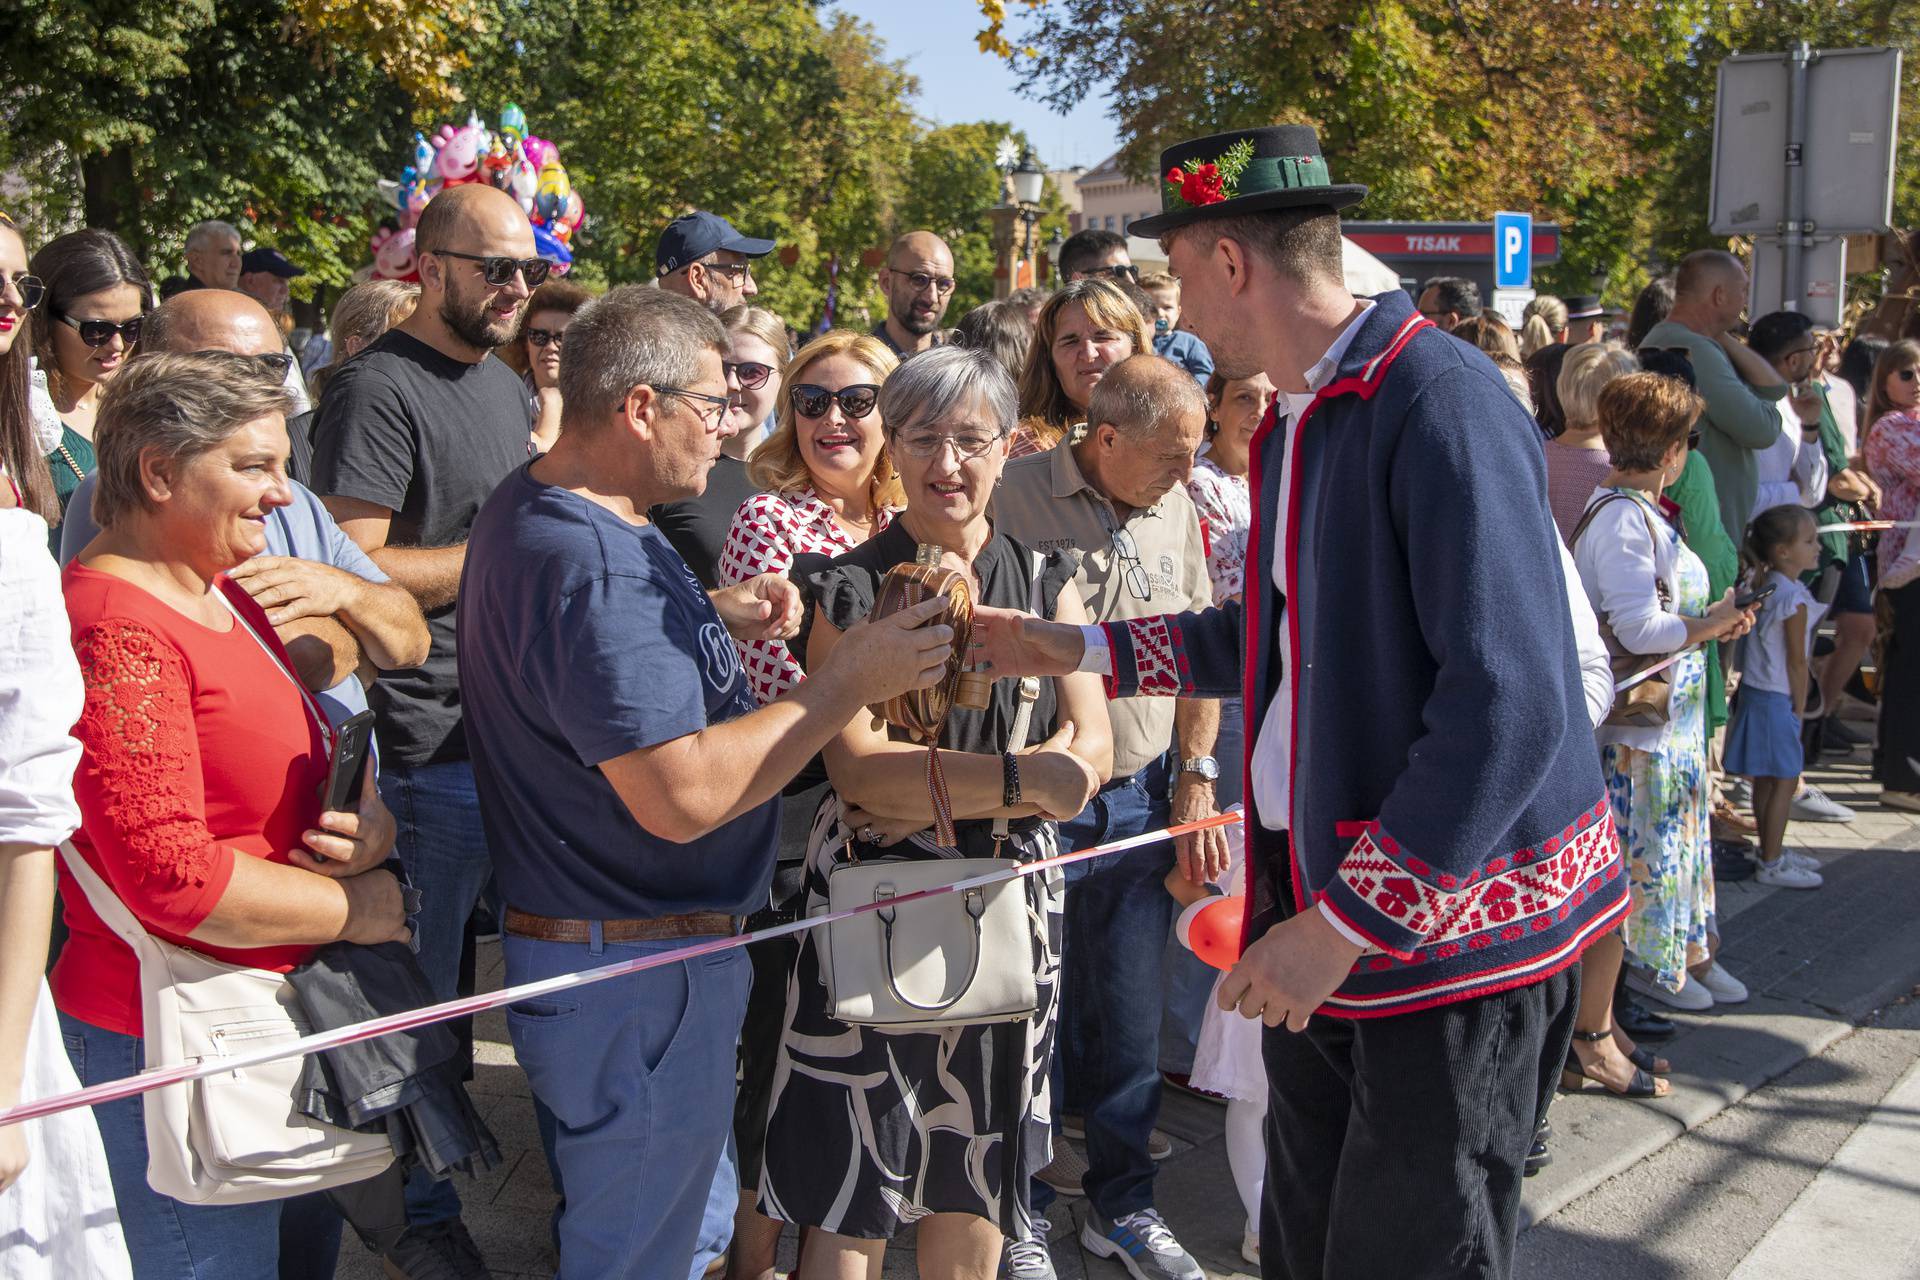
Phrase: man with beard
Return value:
(413, 436)
(918, 282)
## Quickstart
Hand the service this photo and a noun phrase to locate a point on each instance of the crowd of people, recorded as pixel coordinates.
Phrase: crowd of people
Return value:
(603, 570)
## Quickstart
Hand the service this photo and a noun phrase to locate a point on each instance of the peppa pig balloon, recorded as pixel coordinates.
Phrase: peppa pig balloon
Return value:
(458, 159)
(393, 255)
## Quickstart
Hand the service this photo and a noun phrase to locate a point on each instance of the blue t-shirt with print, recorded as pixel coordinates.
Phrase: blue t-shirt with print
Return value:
(583, 637)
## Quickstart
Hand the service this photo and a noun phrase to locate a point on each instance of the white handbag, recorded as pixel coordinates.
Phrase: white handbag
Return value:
(952, 960)
(234, 1138)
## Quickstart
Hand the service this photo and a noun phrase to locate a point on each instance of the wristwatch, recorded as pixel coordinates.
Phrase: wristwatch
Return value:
(1206, 766)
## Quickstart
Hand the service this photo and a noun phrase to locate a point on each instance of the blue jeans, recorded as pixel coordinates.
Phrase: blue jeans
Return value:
(1189, 978)
(1117, 916)
(444, 849)
(166, 1239)
(635, 1076)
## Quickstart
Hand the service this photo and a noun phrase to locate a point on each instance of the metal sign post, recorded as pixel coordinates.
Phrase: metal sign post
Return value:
(1796, 228)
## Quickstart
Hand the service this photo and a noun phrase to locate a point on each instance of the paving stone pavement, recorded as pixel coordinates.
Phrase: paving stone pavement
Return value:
(1818, 963)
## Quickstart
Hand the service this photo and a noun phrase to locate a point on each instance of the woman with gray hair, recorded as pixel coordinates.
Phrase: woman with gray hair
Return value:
(871, 1128)
(203, 763)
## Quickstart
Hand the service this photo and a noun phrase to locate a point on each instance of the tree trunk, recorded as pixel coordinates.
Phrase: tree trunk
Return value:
(112, 203)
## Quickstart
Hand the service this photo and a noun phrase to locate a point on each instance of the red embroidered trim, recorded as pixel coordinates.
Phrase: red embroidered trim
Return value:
(1157, 660)
(1528, 892)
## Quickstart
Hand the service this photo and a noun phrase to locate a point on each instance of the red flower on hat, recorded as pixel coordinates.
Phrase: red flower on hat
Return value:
(1211, 183)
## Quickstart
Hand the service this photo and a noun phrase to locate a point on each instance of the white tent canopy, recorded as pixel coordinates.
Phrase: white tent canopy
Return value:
(1366, 274)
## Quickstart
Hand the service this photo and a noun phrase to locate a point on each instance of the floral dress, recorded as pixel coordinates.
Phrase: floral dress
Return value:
(1226, 517)
(1660, 805)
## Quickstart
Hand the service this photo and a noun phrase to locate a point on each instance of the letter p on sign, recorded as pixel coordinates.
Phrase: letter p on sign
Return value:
(1512, 250)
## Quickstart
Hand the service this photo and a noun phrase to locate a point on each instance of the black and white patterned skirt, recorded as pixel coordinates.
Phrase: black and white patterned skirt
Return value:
(870, 1129)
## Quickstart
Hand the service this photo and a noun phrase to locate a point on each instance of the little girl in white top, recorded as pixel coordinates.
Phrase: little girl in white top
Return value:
(1763, 742)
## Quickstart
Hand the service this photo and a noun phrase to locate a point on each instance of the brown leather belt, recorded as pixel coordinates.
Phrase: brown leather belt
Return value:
(695, 924)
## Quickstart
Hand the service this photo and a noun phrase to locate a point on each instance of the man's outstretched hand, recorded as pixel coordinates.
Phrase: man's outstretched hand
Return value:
(1008, 642)
(764, 608)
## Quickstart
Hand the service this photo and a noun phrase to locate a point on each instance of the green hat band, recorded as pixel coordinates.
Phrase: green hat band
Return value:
(1238, 173)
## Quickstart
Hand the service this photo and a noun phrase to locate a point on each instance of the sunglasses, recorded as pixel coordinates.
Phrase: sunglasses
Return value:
(856, 401)
(751, 374)
(98, 333)
(541, 337)
(734, 271)
(1122, 271)
(273, 364)
(30, 288)
(1693, 439)
(499, 271)
(1906, 375)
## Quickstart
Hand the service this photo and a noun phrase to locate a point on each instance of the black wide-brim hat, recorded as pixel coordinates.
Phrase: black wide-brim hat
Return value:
(1243, 171)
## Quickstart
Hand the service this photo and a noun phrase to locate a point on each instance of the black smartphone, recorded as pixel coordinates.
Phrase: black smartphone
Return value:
(1748, 599)
(347, 777)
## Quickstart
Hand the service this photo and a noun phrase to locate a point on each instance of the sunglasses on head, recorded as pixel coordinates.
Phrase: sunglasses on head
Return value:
(751, 374)
(98, 333)
(856, 401)
(272, 364)
(541, 337)
(30, 288)
(498, 271)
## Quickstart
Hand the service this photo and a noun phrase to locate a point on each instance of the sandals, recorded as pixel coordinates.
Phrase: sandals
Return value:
(1574, 1077)
(1647, 1061)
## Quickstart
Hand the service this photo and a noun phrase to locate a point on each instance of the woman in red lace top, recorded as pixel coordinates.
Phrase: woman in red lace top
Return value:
(203, 761)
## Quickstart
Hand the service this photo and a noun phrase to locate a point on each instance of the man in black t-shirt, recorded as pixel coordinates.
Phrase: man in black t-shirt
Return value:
(411, 439)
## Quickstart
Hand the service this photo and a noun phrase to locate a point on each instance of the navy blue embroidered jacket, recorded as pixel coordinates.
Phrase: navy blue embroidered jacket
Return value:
(1447, 800)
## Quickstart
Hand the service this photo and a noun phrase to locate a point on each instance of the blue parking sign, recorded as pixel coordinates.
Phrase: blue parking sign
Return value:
(1512, 250)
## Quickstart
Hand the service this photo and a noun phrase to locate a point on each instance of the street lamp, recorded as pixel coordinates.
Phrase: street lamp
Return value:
(1029, 180)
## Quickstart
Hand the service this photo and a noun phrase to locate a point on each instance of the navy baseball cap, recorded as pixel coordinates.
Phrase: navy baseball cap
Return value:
(693, 236)
(273, 260)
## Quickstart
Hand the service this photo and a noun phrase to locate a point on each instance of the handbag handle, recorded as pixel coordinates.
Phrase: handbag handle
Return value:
(313, 708)
(1029, 693)
(976, 905)
(106, 904)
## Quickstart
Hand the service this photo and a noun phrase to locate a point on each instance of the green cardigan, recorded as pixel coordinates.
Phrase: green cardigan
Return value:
(1707, 538)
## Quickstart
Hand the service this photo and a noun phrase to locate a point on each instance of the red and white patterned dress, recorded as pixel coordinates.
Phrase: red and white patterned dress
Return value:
(1893, 459)
(768, 531)
(1226, 514)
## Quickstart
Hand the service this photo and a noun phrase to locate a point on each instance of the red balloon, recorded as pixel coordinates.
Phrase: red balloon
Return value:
(1217, 931)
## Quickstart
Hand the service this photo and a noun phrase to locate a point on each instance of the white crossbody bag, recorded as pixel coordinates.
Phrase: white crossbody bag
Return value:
(953, 960)
(235, 1138)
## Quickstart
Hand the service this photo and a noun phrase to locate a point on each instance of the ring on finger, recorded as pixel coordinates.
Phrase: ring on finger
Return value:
(866, 835)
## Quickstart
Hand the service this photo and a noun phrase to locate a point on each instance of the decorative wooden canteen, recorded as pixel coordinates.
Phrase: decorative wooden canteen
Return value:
(922, 712)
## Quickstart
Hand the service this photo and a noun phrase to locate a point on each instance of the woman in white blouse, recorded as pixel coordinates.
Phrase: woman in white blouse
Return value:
(56, 1201)
(1651, 591)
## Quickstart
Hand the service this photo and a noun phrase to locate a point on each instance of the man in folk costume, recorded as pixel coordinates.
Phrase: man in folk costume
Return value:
(1430, 839)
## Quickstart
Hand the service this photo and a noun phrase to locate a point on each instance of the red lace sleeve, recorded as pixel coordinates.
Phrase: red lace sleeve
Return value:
(142, 800)
(761, 541)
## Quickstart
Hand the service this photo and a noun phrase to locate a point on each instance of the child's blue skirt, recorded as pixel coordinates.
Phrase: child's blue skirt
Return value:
(1764, 739)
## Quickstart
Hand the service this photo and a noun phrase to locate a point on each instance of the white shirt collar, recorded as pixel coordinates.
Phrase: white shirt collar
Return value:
(1323, 369)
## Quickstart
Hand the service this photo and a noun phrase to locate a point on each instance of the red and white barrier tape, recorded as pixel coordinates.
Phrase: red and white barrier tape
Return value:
(180, 1073)
(1868, 526)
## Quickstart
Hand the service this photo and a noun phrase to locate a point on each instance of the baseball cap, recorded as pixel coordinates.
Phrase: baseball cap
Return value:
(693, 236)
(264, 259)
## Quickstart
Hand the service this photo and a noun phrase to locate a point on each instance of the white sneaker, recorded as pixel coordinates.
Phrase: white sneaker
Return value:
(1692, 997)
(1813, 805)
(1806, 862)
(1028, 1258)
(1721, 985)
(1782, 874)
(1250, 1244)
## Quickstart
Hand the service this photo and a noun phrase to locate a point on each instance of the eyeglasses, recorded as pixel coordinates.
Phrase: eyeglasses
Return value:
(98, 333)
(920, 280)
(930, 444)
(1131, 569)
(856, 401)
(734, 271)
(271, 364)
(541, 337)
(1693, 439)
(714, 418)
(499, 271)
(1119, 271)
(30, 288)
(750, 374)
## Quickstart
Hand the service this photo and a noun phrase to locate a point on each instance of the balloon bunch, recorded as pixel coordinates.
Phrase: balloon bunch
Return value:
(509, 158)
